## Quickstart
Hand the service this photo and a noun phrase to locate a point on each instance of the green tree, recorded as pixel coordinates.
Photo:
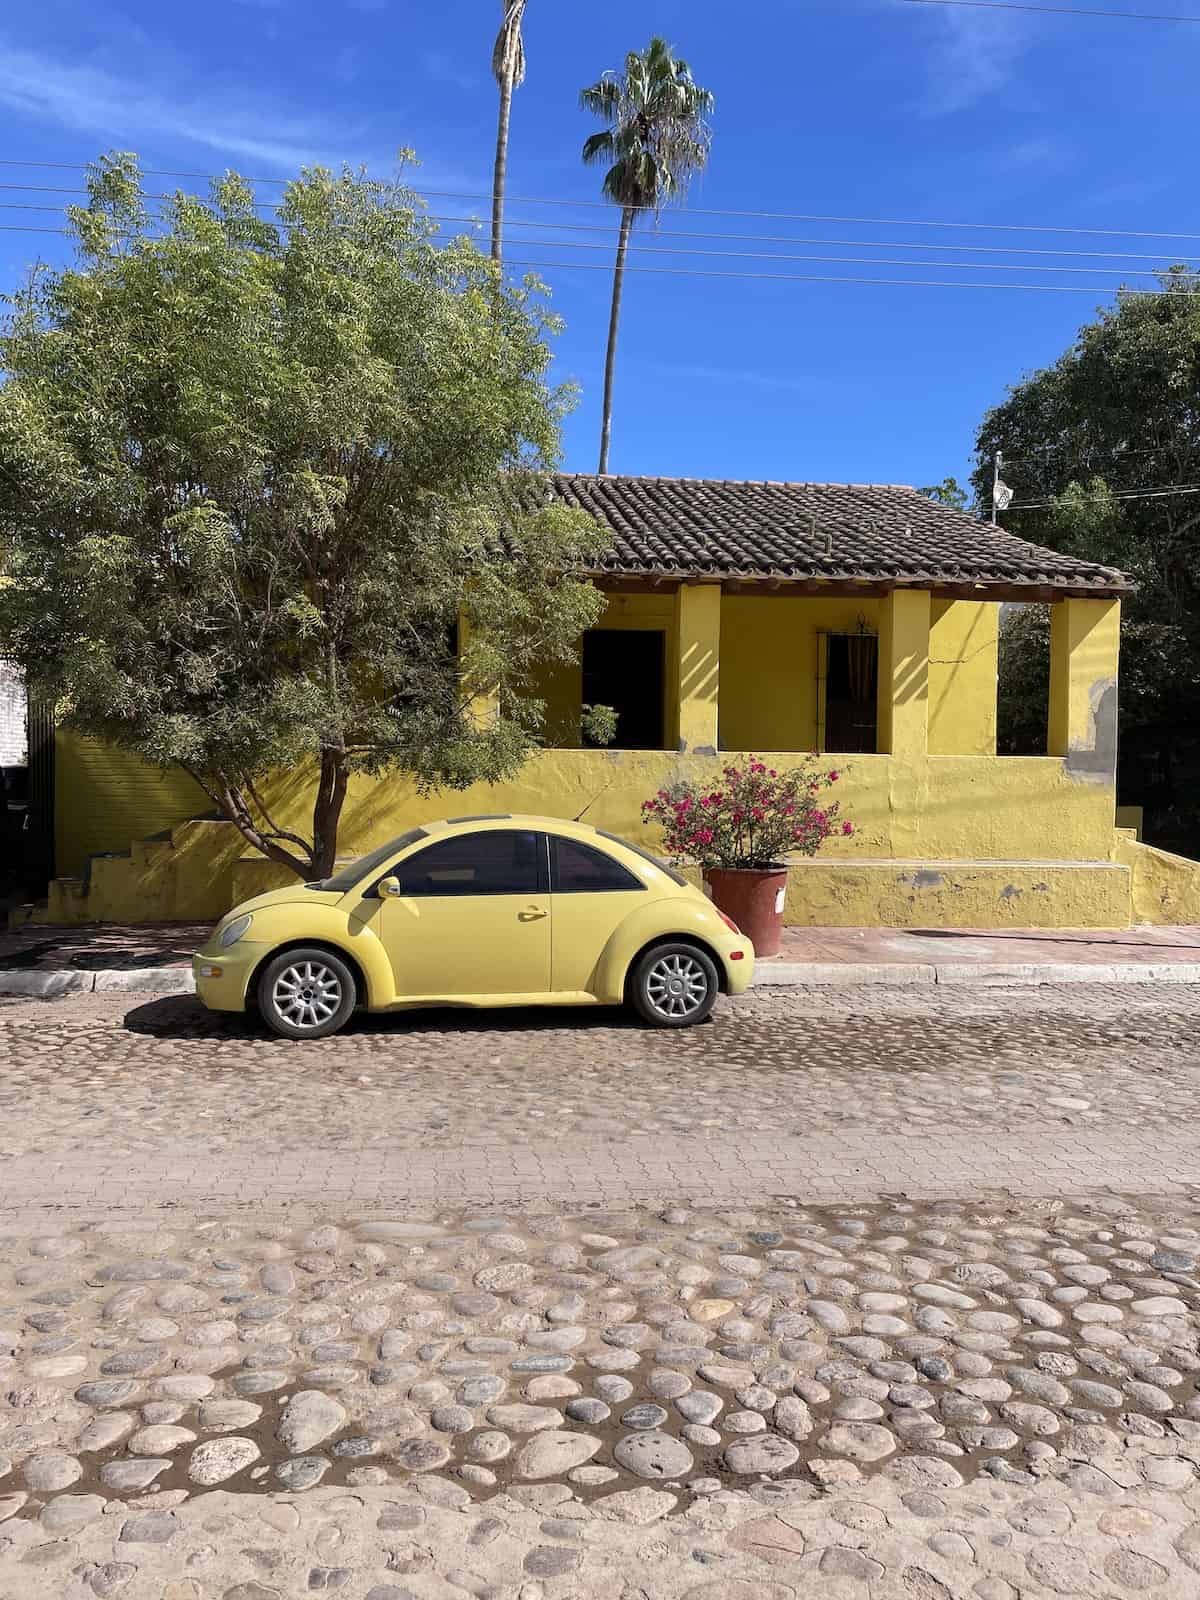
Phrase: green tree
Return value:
(508, 66)
(948, 493)
(252, 473)
(1096, 448)
(656, 140)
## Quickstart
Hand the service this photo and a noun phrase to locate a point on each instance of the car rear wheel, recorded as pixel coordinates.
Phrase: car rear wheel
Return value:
(306, 994)
(674, 986)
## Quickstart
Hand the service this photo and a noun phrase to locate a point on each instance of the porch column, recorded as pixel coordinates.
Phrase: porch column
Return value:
(1085, 642)
(483, 709)
(697, 665)
(904, 673)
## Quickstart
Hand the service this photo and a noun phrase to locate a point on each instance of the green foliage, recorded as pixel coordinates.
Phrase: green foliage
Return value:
(948, 493)
(1119, 413)
(251, 474)
(656, 137)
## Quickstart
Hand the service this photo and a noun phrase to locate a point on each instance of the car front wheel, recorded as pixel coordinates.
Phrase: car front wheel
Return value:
(674, 986)
(306, 994)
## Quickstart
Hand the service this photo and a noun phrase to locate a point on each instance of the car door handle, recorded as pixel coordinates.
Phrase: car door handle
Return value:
(533, 914)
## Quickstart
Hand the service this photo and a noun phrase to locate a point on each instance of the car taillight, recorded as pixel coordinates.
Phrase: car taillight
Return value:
(730, 923)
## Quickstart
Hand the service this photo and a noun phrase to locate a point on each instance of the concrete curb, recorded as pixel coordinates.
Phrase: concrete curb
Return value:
(780, 974)
(978, 974)
(52, 985)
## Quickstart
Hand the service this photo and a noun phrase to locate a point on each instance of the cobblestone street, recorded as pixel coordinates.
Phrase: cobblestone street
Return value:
(886, 1295)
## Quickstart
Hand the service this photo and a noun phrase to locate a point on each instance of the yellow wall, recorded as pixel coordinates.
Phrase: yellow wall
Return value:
(769, 665)
(560, 684)
(105, 798)
(963, 668)
(969, 810)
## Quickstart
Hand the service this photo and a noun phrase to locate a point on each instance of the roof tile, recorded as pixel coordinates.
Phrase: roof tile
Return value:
(685, 527)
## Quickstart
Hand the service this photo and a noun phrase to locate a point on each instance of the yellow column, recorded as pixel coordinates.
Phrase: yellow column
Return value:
(484, 707)
(697, 665)
(1085, 643)
(904, 673)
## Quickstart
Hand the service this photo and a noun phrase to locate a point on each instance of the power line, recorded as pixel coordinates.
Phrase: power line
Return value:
(745, 255)
(779, 277)
(1122, 494)
(738, 255)
(1058, 11)
(699, 211)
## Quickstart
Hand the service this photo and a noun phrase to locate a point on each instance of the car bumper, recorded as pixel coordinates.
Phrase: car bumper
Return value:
(223, 976)
(739, 966)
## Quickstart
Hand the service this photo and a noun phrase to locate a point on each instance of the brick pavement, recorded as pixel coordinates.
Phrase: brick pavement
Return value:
(830, 1167)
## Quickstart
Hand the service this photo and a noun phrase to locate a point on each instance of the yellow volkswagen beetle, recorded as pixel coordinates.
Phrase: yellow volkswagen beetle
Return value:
(478, 911)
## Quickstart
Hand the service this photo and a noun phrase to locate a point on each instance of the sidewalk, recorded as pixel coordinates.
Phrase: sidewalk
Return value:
(50, 961)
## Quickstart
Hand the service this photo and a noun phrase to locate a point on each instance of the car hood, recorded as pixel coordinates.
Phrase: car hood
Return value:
(294, 894)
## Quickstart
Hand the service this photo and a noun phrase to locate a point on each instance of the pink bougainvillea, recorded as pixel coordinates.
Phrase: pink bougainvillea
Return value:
(754, 818)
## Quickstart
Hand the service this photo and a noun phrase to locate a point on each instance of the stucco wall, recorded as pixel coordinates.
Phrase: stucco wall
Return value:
(769, 651)
(105, 799)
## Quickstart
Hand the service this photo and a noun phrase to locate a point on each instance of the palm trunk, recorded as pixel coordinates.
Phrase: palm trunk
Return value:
(610, 360)
(500, 172)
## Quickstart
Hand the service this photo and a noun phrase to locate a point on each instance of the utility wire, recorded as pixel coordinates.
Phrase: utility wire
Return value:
(1123, 494)
(606, 205)
(746, 255)
(1058, 11)
(609, 231)
(784, 277)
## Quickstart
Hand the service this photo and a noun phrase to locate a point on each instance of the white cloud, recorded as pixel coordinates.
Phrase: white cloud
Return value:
(975, 55)
(1043, 155)
(92, 100)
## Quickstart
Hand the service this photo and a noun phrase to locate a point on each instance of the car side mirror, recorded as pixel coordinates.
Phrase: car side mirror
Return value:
(389, 889)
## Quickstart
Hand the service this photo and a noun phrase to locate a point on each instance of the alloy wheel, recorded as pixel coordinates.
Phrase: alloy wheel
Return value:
(676, 986)
(307, 994)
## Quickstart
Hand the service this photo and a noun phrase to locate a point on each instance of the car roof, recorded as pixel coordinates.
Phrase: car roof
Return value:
(494, 820)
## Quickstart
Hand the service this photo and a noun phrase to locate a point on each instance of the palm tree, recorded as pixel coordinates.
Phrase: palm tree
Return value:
(655, 141)
(508, 65)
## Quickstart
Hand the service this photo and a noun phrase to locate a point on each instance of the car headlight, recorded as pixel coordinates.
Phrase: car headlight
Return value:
(233, 931)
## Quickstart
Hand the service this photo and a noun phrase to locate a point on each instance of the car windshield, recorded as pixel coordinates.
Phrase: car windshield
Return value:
(342, 882)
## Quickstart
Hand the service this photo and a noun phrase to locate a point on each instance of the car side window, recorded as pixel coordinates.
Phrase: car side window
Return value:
(506, 862)
(579, 869)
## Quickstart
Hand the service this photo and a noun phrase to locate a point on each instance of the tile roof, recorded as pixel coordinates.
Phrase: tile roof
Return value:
(829, 532)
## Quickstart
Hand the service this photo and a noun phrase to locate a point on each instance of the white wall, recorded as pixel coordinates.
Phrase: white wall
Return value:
(12, 717)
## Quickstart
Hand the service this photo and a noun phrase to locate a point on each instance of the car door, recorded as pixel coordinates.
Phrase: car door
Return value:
(472, 918)
(591, 893)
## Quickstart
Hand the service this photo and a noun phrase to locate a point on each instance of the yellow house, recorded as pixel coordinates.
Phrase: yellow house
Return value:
(858, 620)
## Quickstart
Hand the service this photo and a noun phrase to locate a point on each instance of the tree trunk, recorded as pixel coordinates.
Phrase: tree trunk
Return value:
(610, 359)
(500, 172)
(327, 811)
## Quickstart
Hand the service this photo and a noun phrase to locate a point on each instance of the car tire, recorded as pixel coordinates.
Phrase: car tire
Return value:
(674, 986)
(307, 993)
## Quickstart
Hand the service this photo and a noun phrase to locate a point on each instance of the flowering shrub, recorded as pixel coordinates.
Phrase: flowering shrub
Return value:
(752, 818)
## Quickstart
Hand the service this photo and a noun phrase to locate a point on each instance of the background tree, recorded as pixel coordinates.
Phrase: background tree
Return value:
(656, 140)
(1098, 444)
(948, 493)
(250, 475)
(508, 65)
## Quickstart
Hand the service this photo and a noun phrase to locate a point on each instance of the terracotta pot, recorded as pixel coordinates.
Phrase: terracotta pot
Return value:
(753, 898)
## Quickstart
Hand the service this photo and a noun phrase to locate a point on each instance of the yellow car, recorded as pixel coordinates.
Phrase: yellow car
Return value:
(478, 911)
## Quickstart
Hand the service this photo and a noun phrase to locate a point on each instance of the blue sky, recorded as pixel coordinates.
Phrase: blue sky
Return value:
(849, 108)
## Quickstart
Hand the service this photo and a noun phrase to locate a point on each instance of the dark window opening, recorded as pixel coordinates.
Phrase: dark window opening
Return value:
(663, 866)
(578, 869)
(476, 863)
(625, 668)
(851, 693)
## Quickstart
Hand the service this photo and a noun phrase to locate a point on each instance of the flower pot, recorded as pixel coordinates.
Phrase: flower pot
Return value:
(753, 897)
